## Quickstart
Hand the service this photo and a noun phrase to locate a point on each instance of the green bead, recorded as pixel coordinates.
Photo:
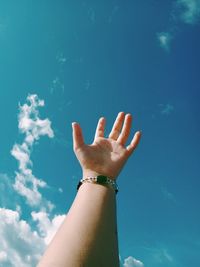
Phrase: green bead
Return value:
(101, 179)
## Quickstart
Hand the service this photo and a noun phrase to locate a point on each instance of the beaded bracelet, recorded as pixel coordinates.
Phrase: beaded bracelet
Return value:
(100, 179)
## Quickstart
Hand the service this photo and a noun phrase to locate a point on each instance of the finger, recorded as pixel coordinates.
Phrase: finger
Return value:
(100, 128)
(135, 141)
(78, 140)
(125, 130)
(114, 134)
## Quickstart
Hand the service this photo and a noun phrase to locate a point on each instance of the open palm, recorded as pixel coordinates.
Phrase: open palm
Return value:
(105, 156)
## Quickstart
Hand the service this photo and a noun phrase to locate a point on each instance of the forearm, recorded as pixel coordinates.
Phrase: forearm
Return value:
(88, 235)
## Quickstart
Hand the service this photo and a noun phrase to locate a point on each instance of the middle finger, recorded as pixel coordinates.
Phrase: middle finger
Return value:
(114, 134)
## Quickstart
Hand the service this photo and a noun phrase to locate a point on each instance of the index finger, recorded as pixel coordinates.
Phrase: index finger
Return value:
(78, 140)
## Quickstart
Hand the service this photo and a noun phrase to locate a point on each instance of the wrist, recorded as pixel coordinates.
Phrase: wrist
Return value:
(90, 173)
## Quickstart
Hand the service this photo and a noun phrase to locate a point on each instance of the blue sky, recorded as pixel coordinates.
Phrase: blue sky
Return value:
(64, 61)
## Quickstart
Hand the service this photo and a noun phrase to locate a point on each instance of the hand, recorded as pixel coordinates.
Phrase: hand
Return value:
(105, 156)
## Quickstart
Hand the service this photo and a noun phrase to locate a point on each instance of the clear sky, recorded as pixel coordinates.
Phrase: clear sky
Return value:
(64, 61)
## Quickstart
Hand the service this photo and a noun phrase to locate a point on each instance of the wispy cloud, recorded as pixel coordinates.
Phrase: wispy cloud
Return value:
(26, 184)
(162, 256)
(132, 262)
(189, 11)
(164, 39)
(168, 195)
(3, 28)
(57, 86)
(7, 199)
(87, 85)
(183, 12)
(92, 14)
(166, 109)
(113, 12)
(61, 59)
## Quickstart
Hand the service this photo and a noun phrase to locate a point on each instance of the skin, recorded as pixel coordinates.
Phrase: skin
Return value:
(88, 235)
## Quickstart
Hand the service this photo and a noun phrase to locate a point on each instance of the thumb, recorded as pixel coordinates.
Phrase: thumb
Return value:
(77, 135)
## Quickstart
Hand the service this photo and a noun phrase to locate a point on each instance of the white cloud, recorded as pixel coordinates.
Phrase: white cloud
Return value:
(190, 10)
(32, 195)
(164, 39)
(30, 123)
(22, 154)
(47, 228)
(3, 256)
(26, 184)
(21, 245)
(132, 262)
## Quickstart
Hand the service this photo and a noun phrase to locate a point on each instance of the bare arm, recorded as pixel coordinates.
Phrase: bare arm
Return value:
(88, 235)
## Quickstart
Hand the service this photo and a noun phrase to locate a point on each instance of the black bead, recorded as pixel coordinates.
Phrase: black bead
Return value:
(79, 184)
